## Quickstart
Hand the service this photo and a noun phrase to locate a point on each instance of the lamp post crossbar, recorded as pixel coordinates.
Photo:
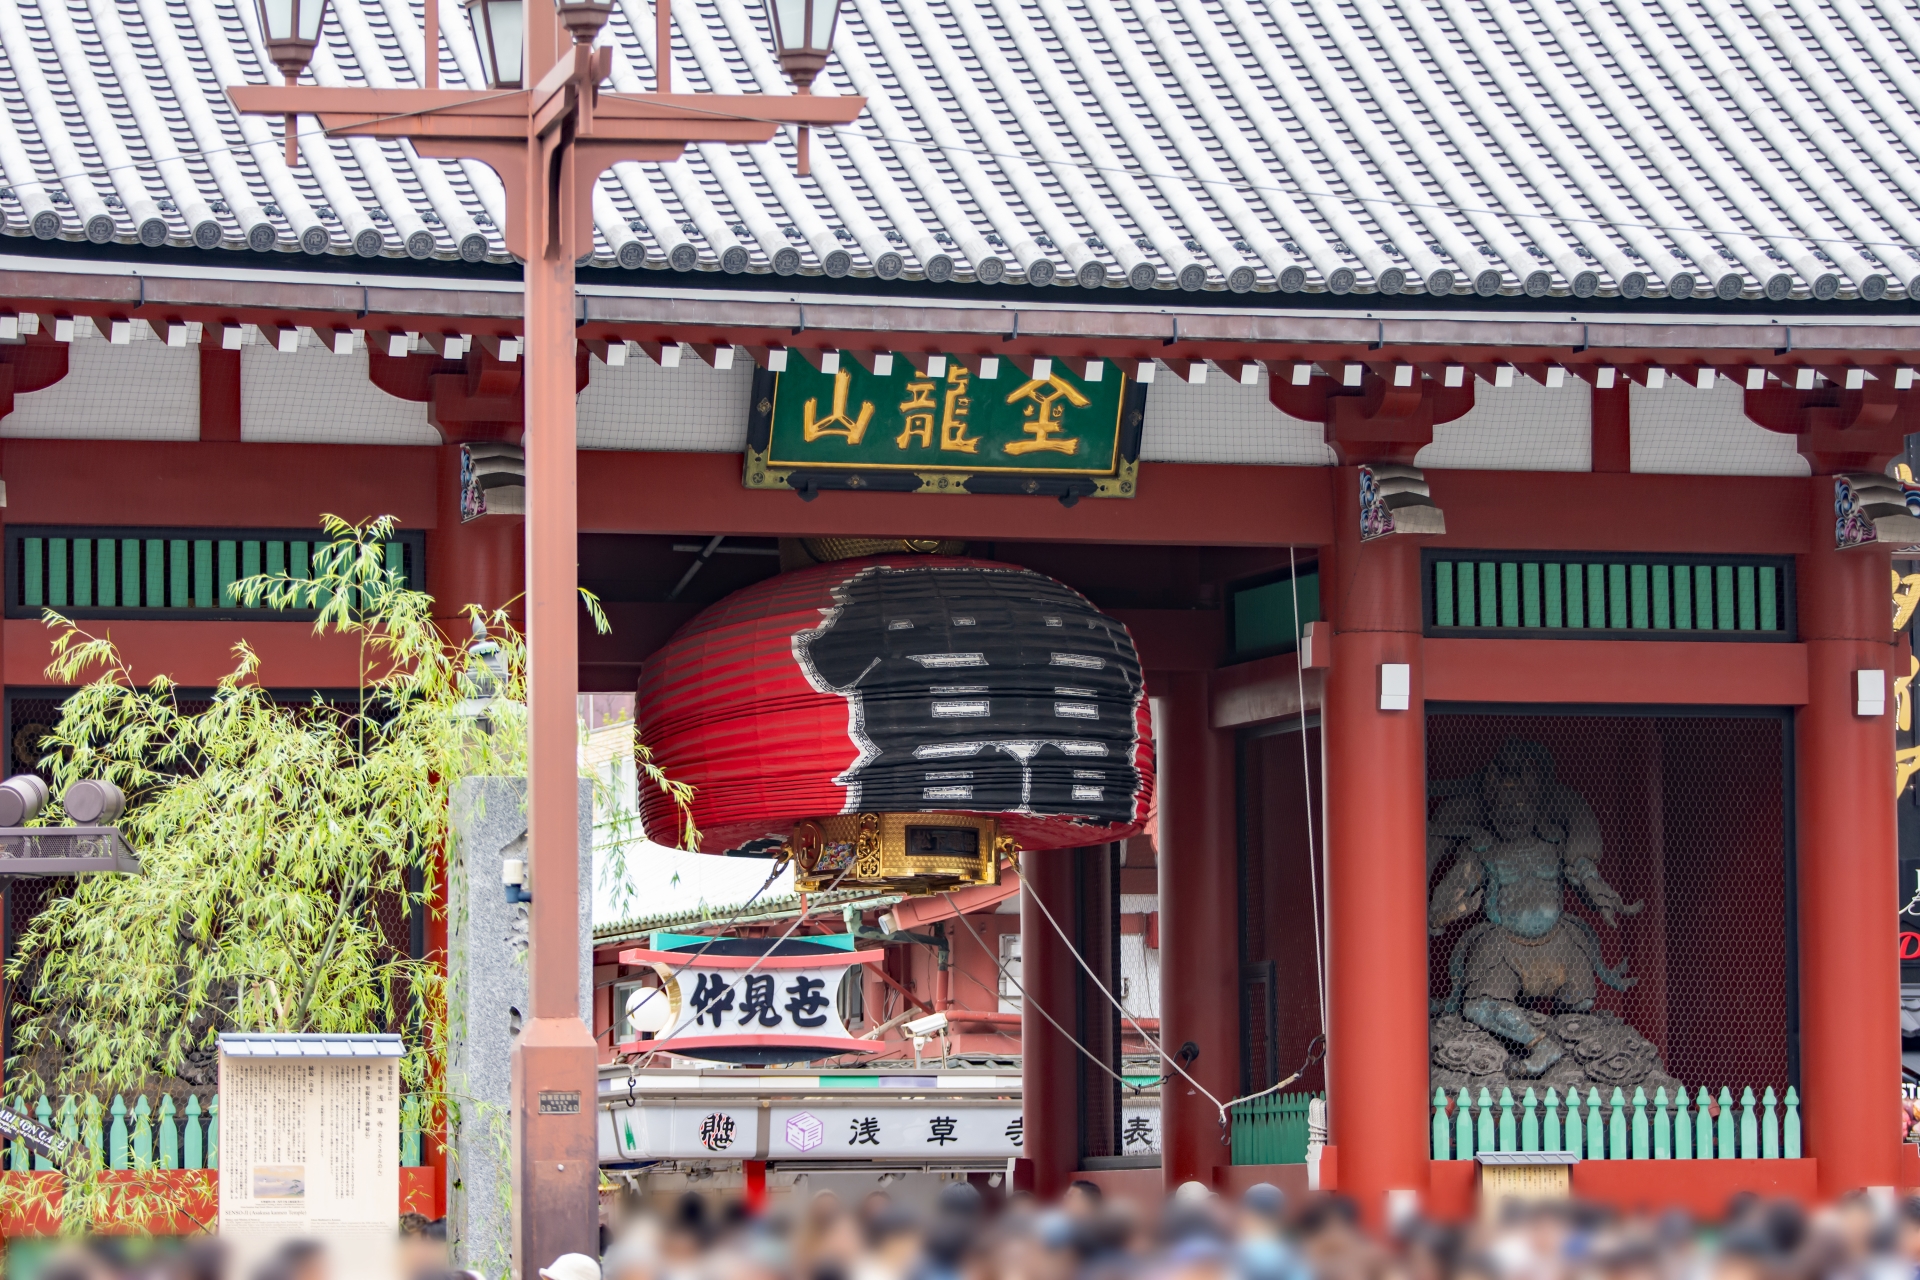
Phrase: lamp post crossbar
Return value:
(550, 143)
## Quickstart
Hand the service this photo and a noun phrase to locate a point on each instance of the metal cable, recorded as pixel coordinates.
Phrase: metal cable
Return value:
(1315, 1048)
(1026, 999)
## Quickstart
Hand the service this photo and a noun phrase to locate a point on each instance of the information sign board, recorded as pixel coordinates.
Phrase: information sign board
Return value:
(310, 1147)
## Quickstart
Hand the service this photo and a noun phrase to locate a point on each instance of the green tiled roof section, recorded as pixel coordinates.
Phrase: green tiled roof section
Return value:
(163, 573)
(1627, 595)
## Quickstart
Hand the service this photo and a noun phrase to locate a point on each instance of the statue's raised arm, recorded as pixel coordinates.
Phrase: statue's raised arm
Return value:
(1606, 899)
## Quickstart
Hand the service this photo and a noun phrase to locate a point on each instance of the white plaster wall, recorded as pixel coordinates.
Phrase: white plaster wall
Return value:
(1525, 427)
(144, 390)
(693, 408)
(1683, 430)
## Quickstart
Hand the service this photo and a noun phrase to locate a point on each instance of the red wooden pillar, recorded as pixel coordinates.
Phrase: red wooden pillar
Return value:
(1612, 428)
(1846, 853)
(1049, 1063)
(1199, 929)
(1376, 816)
(480, 562)
(219, 390)
(754, 1173)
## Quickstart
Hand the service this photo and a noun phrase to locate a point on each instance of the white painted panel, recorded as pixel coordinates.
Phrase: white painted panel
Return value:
(312, 396)
(1524, 427)
(693, 408)
(1682, 430)
(140, 391)
(1223, 421)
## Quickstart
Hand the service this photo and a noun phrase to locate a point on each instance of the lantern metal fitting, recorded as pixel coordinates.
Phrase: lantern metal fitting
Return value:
(500, 31)
(917, 853)
(291, 29)
(803, 37)
(583, 18)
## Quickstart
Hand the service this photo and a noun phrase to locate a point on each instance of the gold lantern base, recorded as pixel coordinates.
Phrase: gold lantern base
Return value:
(918, 853)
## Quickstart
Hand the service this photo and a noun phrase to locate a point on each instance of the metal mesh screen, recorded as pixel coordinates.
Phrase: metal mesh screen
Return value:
(1541, 825)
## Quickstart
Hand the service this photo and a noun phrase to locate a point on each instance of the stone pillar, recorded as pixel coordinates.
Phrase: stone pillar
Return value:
(1199, 928)
(1847, 864)
(487, 1003)
(1376, 819)
(1049, 1064)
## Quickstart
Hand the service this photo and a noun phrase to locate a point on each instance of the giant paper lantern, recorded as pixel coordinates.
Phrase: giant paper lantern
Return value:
(901, 719)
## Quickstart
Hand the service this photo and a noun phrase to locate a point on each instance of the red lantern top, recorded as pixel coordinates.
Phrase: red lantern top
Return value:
(901, 684)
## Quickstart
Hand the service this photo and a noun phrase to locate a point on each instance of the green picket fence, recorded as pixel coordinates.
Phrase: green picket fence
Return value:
(1272, 1130)
(1641, 1129)
(169, 1135)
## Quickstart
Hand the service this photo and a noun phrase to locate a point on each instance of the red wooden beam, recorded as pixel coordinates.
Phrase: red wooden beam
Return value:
(195, 654)
(146, 482)
(701, 493)
(1577, 511)
(1653, 672)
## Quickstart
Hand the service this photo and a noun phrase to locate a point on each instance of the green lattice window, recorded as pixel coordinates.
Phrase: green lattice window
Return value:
(156, 573)
(1640, 597)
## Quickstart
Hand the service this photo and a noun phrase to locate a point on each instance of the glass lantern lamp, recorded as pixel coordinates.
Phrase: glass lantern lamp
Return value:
(291, 29)
(500, 31)
(803, 37)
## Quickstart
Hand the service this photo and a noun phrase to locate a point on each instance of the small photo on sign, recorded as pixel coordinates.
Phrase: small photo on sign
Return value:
(279, 1182)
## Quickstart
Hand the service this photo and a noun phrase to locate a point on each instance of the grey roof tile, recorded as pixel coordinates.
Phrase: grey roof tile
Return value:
(1712, 149)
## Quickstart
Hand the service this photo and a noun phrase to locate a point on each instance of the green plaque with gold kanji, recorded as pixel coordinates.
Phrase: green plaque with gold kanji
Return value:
(985, 426)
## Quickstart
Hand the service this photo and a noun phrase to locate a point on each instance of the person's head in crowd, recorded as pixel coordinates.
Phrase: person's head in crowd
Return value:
(893, 1238)
(571, 1266)
(873, 1205)
(1082, 1198)
(1745, 1252)
(71, 1263)
(1853, 1222)
(686, 1232)
(635, 1254)
(423, 1246)
(1433, 1250)
(1631, 1258)
(298, 1260)
(1908, 1232)
(960, 1200)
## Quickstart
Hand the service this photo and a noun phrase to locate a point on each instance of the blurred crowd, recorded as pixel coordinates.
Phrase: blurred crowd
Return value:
(1197, 1235)
(1262, 1235)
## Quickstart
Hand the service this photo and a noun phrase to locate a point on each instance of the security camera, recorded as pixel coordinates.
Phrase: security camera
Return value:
(931, 1025)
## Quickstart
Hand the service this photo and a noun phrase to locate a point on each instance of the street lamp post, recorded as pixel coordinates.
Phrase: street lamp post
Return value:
(549, 142)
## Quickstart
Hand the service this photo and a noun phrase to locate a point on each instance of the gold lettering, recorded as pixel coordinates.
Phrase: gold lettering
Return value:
(1906, 597)
(953, 421)
(1906, 763)
(919, 416)
(837, 423)
(1903, 696)
(1043, 416)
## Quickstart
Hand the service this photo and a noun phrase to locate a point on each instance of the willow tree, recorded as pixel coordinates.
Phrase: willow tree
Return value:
(270, 833)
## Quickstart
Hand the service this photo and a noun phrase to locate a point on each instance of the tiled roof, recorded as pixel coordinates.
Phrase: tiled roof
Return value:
(1646, 148)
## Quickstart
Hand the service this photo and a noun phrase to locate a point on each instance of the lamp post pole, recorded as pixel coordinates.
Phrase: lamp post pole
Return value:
(550, 142)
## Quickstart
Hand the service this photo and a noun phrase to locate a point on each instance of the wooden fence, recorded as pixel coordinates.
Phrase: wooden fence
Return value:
(1643, 1129)
(1271, 1130)
(169, 1136)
